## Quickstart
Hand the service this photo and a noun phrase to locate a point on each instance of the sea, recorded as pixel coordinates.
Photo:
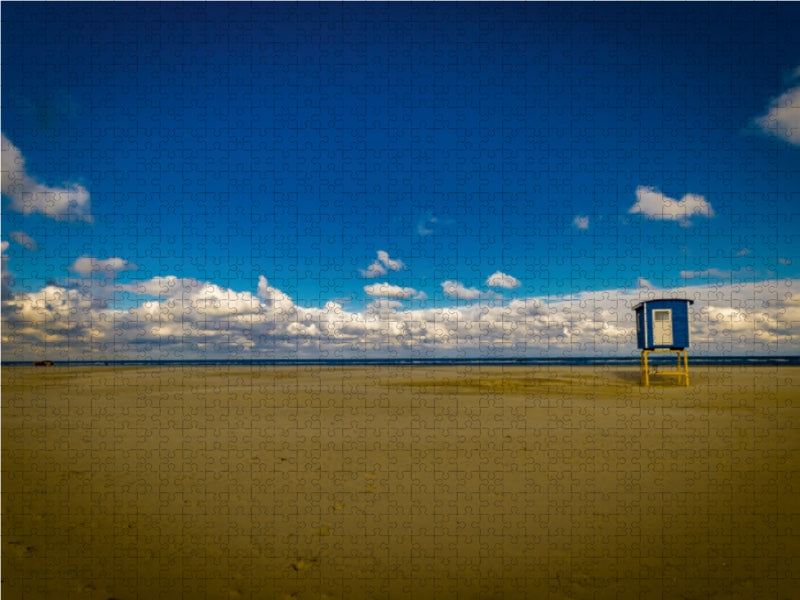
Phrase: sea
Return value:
(654, 359)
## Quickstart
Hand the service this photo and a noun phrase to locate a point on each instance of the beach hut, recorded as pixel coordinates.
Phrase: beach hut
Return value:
(663, 326)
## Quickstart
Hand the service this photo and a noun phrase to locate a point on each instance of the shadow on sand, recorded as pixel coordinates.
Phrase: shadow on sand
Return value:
(628, 376)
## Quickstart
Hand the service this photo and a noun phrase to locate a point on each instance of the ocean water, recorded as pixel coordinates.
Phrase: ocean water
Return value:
(655, 359)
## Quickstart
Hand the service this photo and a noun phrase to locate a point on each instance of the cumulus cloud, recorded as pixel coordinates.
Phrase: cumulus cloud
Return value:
(457, 291)
(394, 265)
(201, 319)
(163, 287)
(653, 204)
(782, 118)
(502, 280)
(108, 268)
(31, 196)
(581, 222)
(378, 268)
(24, 240)
(273, 297)
(387, 290)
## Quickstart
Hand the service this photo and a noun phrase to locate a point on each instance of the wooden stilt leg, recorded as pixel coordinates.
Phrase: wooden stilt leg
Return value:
(681, 367)
(686, 366)
(645, 369)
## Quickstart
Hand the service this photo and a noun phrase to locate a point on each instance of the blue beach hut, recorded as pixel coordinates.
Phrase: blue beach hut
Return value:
(663, 326)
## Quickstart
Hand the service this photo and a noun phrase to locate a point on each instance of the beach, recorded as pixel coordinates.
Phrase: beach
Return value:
(399, 481)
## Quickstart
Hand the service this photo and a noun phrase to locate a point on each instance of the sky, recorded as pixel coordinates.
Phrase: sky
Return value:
(270, 181)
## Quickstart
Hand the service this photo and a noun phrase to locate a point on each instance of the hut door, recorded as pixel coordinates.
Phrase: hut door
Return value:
(662, 327)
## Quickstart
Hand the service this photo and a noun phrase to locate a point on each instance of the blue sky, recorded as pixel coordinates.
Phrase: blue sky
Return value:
(281, 180)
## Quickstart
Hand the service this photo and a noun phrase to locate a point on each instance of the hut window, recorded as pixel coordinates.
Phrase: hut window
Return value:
(662, 327)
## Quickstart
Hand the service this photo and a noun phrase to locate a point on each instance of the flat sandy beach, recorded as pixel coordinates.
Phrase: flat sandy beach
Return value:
(399, 482)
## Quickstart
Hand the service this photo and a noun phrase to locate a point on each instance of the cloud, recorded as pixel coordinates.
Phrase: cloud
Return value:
(782, 119)
(581, 222)
(108, 268)
(163, 287)
(705, 273)
(502, 280)
(5, 275)
(378, 268)
(30, 196)
(383, 306)
(429, 224)
(655, 205)
(641, 282)
(273, 297)
(457, 291)
(426, 226)
(393, 265)
(387, 290)
(197, 319)
(24, 240)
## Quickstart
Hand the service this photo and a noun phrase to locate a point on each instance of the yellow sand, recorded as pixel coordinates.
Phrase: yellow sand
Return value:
(423, 482)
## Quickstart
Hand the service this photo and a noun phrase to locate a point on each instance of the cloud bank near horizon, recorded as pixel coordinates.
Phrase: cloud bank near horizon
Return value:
(177, 317)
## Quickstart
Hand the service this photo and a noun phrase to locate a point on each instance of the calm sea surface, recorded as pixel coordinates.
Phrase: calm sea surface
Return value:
(559, 361)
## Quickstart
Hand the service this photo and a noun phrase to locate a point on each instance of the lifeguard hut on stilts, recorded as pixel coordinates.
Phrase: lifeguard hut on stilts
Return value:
(662, 326)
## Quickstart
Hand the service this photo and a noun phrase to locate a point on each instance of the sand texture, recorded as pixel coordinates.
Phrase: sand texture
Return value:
(399, 482)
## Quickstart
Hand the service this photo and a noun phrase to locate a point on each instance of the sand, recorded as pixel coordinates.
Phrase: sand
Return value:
(399, 482)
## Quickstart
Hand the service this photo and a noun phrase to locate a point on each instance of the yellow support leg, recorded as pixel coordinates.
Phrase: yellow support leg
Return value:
(645, 379)
(681, 368)
(686, 366)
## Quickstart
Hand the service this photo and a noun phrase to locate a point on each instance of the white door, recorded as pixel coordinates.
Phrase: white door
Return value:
(662, 327)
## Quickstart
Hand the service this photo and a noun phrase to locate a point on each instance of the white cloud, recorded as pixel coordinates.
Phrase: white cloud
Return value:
(782, 118)
(5, 274)
(378, 268)
(641, 282)
(502, 280)
(387, 290)
(163, 287)
(426, 226)
(382, 306)
(393, 265)
(172, 315)
(581, 222)
(24, 240)
(108, 268)
(717, 273)
(457, 291)
(273, 297)
(30, 196)
(655, 205)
